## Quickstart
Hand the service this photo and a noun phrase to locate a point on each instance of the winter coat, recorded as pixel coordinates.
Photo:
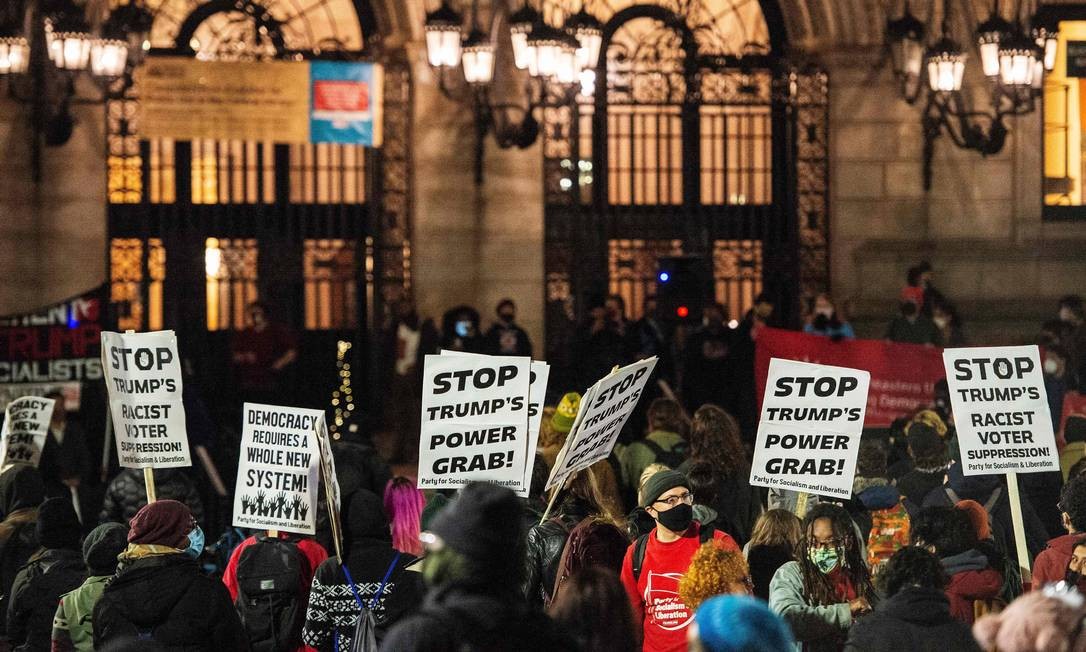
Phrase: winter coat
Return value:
(545, 543)
(72, 624)
(971, 579)
(816, 627)
(915, 620)
(313, 552)
(737, 503)
(168, 598)
(127, 494)
(35, 594)
(20, 494)
(462, 616)
(332, 607)
(916, 485)
(62, 460)
(764, 562)
(1051, 565)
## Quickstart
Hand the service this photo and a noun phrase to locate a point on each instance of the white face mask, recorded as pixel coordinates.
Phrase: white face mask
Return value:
(1051, 366)
(825, 312)
(941, 322)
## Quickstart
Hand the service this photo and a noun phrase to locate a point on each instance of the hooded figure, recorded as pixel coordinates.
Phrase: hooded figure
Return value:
(54, 570)
(159, 592)
(126, 494)
(991, 492)
(474, 566)
(72, 622)
(21, 491)
(333, 611)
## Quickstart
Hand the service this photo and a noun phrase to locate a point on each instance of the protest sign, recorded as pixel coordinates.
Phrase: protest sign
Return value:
(903, 376)
(1001, 410)
(277, 471)
(809, 432)
(474, 421)
(143, 377)
(604, 411)
(26, 425)
(537, 393)
(331, 487)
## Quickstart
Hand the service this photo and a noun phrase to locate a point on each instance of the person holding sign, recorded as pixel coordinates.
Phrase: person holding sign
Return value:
(65, 460)
(829, 586)
(656, 562)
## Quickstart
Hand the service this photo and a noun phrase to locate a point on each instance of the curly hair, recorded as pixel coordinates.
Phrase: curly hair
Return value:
(946, 529)
(912, 566)
(713, 571)
(714, 438)
(1073, 502)
(817, 587)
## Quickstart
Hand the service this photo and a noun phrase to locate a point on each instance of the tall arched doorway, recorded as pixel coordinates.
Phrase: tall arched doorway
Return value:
(319, 233)
(700, 139)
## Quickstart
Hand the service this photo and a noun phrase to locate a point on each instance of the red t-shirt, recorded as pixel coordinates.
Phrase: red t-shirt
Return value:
(655, 596)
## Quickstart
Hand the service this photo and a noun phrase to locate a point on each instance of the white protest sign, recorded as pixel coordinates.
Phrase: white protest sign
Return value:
(604, 411)
(143, 377)
(541, 372)
(26, 425)
(809, 433)
(277, 471)
(1000, 410)
(331, 487)
(474, 421)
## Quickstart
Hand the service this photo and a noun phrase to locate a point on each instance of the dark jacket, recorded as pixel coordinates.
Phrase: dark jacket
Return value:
(20, 494)
(545, 543)
(764, 562)
(508, 339)
(737, 503)
(61, 461)
(36, 593)
(332, 606)
(461, 616)
(915, 485)
(914, 620)
(127, 494)
(168, 598)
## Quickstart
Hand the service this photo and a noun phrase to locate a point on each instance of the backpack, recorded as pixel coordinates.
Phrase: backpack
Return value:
(672, 458)
(1012, 574)
(889, 533)
(272, 594)
(365, 630)
(592, 542)
(705, 533)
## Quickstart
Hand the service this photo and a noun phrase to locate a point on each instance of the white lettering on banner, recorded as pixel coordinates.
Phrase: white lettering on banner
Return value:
(278, 469)
(143, 378)
(1001, 410)
(475, 413)
(26, 426)
(605, 408)
(809, 432)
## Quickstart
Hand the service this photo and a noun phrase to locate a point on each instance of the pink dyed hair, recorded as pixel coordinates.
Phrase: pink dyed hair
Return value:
(403, 504)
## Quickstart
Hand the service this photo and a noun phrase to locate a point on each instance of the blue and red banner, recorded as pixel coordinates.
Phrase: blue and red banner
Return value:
(345, 103)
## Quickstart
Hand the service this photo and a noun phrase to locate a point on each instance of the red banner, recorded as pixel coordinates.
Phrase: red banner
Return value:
(903, 376)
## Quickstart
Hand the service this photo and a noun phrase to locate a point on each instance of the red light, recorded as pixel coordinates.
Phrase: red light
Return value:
(683, 312)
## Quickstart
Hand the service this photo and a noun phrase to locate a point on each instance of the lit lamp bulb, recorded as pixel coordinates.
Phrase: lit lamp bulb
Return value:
(520, 25)
(946, 66)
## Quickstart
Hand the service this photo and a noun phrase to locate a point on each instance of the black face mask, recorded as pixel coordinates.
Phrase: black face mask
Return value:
(1071, 577)
(507, 318)
(678, 518)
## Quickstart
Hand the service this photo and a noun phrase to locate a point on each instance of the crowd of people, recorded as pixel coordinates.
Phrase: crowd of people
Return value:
(663, 546)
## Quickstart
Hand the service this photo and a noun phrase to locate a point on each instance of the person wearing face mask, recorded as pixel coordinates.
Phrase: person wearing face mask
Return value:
(656, 561)
(825, 321)
(159, 593)
(707, 361)
(1055, 560)
(506, 337)
(949, 324)
(828, 587)
(1075, 575)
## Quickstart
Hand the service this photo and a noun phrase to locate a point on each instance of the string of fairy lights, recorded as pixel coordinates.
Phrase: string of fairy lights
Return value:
(343, 396)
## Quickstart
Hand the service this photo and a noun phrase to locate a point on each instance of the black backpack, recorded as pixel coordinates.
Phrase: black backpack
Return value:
(672, 458)
(272, 594)
(705, 533)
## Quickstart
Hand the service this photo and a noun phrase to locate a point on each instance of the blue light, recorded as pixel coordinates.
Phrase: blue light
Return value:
(664, 277)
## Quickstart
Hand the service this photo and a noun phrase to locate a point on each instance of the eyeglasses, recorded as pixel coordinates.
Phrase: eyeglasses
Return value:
(672, 501)
(829, 543)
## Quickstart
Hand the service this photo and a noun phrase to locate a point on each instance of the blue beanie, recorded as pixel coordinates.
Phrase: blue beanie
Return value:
(739, 623)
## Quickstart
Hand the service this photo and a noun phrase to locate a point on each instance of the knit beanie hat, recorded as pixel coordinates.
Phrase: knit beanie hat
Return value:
(483, 523)
(978, 517)
(164, 523)
(871, 460)
(58, 526)
(101, 547)
(659, 483)
(740, 623)
(566, 412)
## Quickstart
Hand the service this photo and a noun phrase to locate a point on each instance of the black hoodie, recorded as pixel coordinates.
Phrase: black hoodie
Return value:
(167, 598)
(332, 605)
(21, 492)
(914, 620)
